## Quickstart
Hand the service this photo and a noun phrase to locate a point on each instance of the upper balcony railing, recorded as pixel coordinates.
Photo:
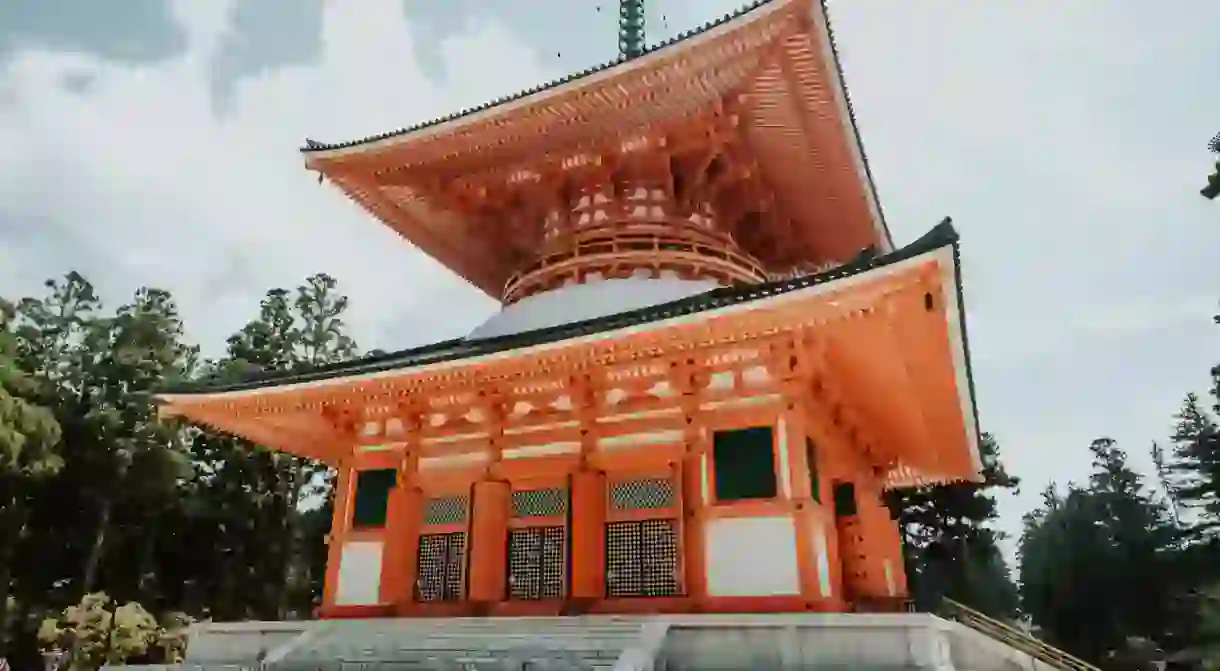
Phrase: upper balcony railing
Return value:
(652, 249)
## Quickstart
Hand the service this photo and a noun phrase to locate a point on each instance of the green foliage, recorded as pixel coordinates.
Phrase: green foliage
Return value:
(1124, 574)
(1193, 471)
(29, 438)
(98, 631)
(100, 494)
(951, 549)
(28, 432)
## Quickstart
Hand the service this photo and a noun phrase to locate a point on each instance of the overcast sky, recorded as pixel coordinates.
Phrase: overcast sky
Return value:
(148, 142)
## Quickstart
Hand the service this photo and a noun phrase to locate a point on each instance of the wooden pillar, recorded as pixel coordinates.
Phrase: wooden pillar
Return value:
(884, 574)
(807, 513)
(486, 574)
(693, 506)
(588, 535)
(836, 462)
(588, 500)
(403, 520)
(338, 530)
(810, 516)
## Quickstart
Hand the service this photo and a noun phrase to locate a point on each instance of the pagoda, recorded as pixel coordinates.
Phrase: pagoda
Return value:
(709, 365)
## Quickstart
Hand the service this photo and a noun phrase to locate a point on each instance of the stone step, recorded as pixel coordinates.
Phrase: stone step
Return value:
(510, 644)
(502, 641)
(347, 652)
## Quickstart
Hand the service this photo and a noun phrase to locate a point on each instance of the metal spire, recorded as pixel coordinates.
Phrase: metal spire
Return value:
(630, 28)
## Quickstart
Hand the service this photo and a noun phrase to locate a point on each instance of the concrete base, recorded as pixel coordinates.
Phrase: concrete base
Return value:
(645, 643)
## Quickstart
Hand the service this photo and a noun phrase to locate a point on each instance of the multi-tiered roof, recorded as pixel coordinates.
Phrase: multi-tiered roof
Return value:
(717, 179)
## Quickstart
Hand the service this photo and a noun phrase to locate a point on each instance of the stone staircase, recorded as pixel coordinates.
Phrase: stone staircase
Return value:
(962, 640)
(470, 644)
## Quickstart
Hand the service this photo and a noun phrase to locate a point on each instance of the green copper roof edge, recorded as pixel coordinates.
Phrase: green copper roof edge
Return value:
(312, 146)
(450, 350)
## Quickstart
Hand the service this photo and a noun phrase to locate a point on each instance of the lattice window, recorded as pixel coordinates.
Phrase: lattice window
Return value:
(446, 510)
(643, 494)
(549, 502)
(642, 558)
(442, 558)
(537, 559)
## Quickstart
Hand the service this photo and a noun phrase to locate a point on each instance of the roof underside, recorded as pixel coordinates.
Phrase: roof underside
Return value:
(771, 66)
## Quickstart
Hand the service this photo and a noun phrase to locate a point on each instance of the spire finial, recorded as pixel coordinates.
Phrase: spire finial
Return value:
(630, 28)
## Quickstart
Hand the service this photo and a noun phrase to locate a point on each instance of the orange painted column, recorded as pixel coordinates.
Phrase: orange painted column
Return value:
(694, 522)
(398, 566)
(807, 516)
(588, 496)
(886, 573)
(693, 505)
(338, 529)
(487, 572)
(871, 549)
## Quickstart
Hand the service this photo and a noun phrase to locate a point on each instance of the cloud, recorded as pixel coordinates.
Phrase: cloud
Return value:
(136, 178)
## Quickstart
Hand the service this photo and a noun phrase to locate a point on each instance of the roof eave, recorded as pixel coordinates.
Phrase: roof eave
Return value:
(939, 237)
(851, 128)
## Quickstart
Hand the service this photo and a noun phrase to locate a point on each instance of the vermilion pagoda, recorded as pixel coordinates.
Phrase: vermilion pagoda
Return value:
(709, 364)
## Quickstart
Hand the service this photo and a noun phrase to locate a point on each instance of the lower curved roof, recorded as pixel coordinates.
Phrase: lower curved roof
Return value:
(216, 403)
(940, 237)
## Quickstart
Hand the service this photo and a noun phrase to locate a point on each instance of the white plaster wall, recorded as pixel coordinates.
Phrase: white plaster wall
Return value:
(360, 574)
(752, 556)
(587, 301)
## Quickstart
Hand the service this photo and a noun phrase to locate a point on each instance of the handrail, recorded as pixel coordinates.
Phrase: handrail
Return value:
(1018, 639)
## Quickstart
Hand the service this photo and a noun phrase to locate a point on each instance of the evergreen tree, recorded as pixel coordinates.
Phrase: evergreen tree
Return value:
(1097, 565)
(1195, 466)
(951, 550)
(1062, 548)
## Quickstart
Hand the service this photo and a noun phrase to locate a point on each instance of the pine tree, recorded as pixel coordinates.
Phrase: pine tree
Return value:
(1097, 565)
(1195, 466)
(950, 549)
(1063, 550)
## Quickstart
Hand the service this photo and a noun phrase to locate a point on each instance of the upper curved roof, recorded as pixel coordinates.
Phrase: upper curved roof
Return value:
(769, 74)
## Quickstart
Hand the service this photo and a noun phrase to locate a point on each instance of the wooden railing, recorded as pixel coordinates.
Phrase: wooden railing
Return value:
(1013, 636)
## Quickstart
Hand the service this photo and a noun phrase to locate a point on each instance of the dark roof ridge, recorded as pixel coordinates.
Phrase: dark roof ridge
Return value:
(941, 235)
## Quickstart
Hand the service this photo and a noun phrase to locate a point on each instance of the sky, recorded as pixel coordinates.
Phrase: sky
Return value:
(155, 143)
